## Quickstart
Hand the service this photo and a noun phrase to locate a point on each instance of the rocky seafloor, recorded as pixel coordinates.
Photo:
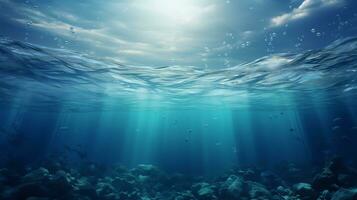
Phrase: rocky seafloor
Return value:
(55, 180)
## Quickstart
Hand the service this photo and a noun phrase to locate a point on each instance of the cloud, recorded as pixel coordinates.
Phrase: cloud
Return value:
(307, 8)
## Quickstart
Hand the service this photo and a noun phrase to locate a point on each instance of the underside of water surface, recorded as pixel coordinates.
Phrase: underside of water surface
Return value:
(101, 101)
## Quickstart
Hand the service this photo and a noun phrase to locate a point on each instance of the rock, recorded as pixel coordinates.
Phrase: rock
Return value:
(126, 183)
(283, 191)
(304, 190)
(270, 179)
(92, 169)
(129, 196)
(204, 191)
(27, 190)
(60, 183)
(85, 188)
(179, 182)
(257, 191)
(345, 194)
(111, 196)
(346, 180)
(104, 189)
(74, 173)
(146, 170)
(39, 175)
(324, 195)
(150, 177)
(325, 180)
(293, 173)
(186, 195)
(231, 188)
(336, 165)
(335, 174)
(82, 183)
(119, 170)
(249, 174)
(37, 198)
(53, 165)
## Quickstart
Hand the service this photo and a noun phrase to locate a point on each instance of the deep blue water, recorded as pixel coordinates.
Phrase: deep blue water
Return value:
(287, 107)
(178, 100)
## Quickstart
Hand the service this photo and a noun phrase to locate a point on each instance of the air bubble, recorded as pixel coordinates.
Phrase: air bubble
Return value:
(72, 30)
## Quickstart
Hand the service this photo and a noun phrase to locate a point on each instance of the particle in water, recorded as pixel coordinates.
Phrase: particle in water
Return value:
(337, 119)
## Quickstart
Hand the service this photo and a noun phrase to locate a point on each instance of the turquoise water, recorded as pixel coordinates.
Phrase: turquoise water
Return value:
(178, 100)
(74, 127)
(298, 108)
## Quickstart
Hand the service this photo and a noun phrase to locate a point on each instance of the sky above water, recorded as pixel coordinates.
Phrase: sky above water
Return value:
(204, 33)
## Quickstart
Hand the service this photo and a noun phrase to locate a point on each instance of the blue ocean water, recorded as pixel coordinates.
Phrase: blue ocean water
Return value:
(75, 126)
(285, 107)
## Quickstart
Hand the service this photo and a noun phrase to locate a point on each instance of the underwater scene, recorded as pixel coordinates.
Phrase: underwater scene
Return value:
(178, 100)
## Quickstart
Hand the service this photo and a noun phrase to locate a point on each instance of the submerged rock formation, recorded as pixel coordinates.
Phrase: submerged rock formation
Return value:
(335, 181)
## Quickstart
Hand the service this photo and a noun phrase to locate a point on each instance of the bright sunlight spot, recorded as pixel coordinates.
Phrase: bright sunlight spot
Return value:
(177, 11)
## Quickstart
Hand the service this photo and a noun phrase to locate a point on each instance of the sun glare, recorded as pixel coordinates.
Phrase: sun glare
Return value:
(180, 11)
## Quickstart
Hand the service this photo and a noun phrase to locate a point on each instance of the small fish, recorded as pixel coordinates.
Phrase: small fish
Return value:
(63, 128)
(335, 128)
(291, 129)
(189, 130)
(326, 152)
(218, 144)
(337, 119)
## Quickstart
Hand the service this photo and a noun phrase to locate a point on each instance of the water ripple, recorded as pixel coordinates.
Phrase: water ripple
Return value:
(46, 78)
